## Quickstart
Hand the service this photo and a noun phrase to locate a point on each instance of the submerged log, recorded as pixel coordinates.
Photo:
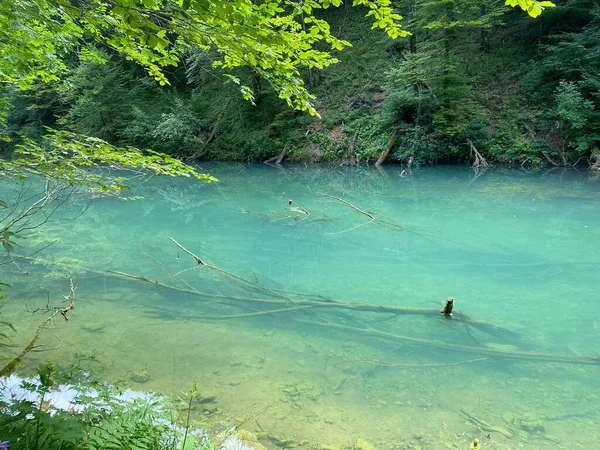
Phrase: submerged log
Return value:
(486, 351)
(483, 325)
(281, 297)
(308, 303)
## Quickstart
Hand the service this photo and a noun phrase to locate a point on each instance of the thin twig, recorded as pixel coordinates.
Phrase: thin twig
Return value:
(347, 203)
(197, 258)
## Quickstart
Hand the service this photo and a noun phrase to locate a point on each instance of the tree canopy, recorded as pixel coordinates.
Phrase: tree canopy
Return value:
(275, 38)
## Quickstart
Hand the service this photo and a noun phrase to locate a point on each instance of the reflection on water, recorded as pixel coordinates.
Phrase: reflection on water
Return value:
(517, 251)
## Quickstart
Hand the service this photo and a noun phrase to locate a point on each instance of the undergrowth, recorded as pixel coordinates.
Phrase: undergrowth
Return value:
(97, 416)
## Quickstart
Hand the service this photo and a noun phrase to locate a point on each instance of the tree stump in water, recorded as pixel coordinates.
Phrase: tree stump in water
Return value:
(447, 309)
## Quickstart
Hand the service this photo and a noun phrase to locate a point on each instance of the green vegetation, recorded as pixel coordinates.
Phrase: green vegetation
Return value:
(85, 84)
(521, 88)
(100, 416)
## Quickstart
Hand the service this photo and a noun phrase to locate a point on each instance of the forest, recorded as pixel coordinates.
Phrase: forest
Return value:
(471, 74)
(169, 282)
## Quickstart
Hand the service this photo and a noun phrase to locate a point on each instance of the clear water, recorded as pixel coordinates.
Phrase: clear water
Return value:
(514, 248)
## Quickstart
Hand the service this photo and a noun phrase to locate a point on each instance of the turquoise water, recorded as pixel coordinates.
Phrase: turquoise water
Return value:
(516, 249)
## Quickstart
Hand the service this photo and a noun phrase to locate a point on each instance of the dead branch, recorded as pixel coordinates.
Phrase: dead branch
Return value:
(233, 276)
(382, 364)
(278, 159)
(297, 208)
(480, 161)
(550, 160)
(197, 258)
(355, 208)
(368, 331)
(54, 310)
(279, 297)
(490, 352)
(486, 428)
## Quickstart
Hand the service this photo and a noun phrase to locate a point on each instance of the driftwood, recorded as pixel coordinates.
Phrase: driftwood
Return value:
(447, 309)
(347, 203)
(276, 159)
(486, 351)
(480, 162)
(480, 324)
(283, 297)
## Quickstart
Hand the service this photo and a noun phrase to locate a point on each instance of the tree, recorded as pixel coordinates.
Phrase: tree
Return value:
(566, 85)
(276, 38)
(432, 98)
(37, 36)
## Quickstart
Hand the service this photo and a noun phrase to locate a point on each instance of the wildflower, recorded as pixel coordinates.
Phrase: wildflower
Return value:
(4, 445)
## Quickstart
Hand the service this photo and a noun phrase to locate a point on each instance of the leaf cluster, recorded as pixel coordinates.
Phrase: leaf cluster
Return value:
(78, 161)
(276, 38)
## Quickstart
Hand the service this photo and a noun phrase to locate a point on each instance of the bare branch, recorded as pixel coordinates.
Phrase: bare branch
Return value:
(54, 310)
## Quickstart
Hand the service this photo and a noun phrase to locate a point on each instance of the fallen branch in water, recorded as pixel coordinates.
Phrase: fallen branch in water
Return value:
(297, 208)
(486, 428)
(397, 310)
(283, 297)
(382, 364)
(197, 258)
(490, 352)
(56, 310)
(347, 203)
(235, 277)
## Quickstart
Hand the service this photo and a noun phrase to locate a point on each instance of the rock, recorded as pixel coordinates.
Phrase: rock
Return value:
(530, 423)
(209, 410)
(204, 397)
(140, 377)
(281, 441)
(246, 436)
(362, 444)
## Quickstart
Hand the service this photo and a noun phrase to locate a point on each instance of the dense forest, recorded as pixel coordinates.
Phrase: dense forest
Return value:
(471, 75)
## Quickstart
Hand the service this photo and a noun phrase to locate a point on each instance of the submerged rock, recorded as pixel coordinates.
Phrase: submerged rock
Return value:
(205, 397)
(140, 377)
(281, 441)
(94, 327)
(531, 423)
(362, 444)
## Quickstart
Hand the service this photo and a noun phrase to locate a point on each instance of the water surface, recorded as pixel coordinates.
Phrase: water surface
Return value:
(517, 249)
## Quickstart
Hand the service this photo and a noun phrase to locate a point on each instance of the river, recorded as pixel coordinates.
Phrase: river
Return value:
(254, 324)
